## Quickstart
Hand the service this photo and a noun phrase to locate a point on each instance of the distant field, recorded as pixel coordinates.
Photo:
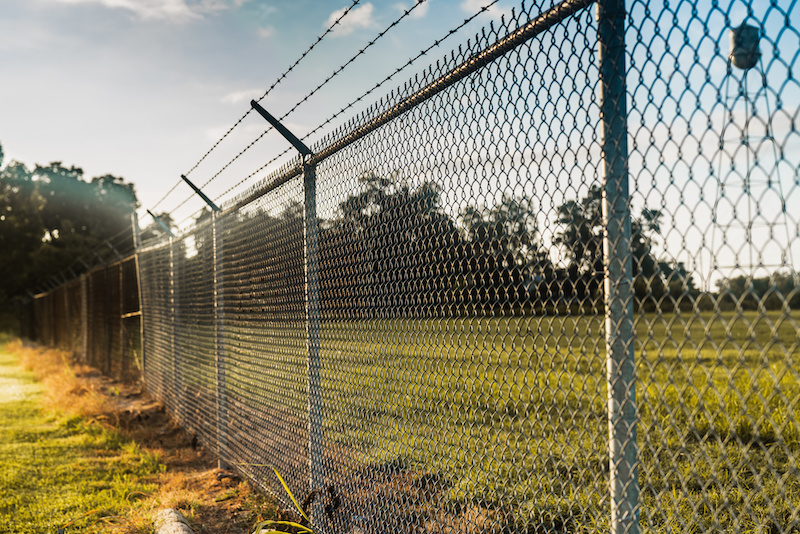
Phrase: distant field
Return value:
(513, 410)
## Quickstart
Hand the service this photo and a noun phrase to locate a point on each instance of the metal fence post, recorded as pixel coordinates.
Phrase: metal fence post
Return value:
(107, 326)
(219, 336)
(173, 309)
(137, 244)
(620, 366)
(66, 320)
(315, 432)
(84, 320)
(123, 360)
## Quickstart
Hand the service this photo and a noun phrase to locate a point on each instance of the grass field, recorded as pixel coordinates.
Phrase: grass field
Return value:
(60, 471)
(509, 414)
(84, 453)
(513, 411)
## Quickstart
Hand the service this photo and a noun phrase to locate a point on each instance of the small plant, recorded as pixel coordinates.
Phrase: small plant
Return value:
(273, 524)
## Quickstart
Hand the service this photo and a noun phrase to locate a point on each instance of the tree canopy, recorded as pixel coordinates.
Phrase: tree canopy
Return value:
(394, 247)
(51, 216)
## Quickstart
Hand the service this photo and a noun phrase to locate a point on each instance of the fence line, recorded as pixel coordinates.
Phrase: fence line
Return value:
(96, 317)
(475, 307)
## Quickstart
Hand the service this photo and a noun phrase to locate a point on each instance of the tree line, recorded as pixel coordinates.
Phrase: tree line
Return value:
(52, 219)
(390, 247)
(393, 249)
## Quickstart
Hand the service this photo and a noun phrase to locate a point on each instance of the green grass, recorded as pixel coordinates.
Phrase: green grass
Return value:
(59, 472)
(513, 412)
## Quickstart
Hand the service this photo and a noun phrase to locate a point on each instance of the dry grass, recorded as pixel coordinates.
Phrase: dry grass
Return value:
(65, 392)
(189, 481)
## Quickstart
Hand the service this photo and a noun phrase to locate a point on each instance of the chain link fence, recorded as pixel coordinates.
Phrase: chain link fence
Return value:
(96, 317)
(549, 285)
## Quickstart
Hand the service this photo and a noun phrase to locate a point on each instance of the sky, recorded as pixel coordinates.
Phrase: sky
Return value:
(142, 89)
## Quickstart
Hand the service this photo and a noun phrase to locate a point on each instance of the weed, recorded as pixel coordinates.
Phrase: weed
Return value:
(298, 528)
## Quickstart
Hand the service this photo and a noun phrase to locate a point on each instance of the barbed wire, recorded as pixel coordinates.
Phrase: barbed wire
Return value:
(262, 97)
(401, 68)
(267, 164)
(231, 188)
(406, 13)
(335, 73)
(378, 85)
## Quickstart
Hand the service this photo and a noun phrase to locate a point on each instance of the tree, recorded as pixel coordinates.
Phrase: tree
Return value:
(97, 210)
(51, 216)
(113, 203)
(582, 239)
(773, 292)
(80, 216)
(21, 228)
(390, 247)
(681, 291)
(505, 260)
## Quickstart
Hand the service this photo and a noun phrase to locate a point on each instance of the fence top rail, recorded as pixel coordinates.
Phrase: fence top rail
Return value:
(531, 29)
(114, 264)
(157, 243)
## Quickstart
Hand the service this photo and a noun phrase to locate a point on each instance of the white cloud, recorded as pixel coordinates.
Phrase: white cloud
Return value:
(357, 19)
(237, 97)
(473, 6)
(419, 12)
(266, 32)
(176, 10)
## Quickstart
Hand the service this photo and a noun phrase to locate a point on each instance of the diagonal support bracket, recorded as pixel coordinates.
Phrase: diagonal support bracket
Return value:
(207, 200)
(161, 223)
(297, 143)
(111, 247)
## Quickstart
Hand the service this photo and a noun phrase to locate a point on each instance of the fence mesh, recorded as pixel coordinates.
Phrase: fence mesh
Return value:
(97, 318)
(549, 285)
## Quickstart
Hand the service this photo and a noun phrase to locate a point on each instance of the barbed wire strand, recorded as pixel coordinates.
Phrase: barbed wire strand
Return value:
(193, 215)
(335, 73)
(237, 184)
(378, 85)
(400, 69)
(262, 97)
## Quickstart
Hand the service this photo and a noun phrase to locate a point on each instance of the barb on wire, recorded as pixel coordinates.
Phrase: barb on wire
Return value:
(231, 188)
(280, 78)
(168, 193)
(258, 170)
(401, 68)
(406, 13)
(378, 85)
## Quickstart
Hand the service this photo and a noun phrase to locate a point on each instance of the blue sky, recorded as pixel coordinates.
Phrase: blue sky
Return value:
(142, 88)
